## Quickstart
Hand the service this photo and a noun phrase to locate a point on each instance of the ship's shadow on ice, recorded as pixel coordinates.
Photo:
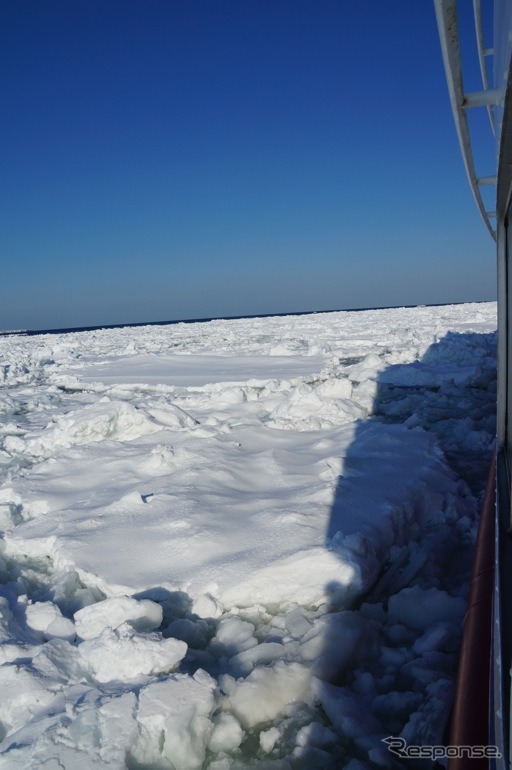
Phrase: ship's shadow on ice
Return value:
(404, 511)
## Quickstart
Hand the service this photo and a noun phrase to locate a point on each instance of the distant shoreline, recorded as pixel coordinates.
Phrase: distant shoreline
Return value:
(70, 330)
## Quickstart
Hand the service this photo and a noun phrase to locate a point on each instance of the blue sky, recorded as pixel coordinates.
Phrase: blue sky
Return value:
(166, 159)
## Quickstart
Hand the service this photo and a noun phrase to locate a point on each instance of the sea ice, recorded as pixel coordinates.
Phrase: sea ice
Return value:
(143, 614)
(265, 693)
(239, 543)
(420, 608)
(47, 618)
(174, 722)
(122, 654)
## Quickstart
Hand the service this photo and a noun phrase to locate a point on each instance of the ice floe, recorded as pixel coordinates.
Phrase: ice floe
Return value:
(239, 543)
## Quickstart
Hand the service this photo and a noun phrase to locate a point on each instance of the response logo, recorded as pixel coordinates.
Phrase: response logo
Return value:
(399, 747)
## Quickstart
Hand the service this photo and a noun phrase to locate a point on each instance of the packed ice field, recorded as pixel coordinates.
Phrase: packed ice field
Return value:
(241, 543)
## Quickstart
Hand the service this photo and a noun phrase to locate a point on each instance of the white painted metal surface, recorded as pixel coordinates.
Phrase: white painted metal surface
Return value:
(482, 54)
(446, 13)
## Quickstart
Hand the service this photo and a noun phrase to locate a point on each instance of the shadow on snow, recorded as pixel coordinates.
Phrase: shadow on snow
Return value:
(389, 661)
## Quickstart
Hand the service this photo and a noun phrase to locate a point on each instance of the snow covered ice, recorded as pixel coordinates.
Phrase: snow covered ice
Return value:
(242, 543)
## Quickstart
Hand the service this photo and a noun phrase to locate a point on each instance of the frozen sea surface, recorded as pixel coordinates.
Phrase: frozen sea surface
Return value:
(239, 543)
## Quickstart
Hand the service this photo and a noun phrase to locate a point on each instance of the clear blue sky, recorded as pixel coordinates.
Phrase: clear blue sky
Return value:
(165, 159)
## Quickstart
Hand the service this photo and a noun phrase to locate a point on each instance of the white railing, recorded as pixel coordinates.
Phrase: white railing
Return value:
(482, 53)
(446, 13)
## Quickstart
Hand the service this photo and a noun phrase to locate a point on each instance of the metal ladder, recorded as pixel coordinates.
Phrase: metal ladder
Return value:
(446, 13)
